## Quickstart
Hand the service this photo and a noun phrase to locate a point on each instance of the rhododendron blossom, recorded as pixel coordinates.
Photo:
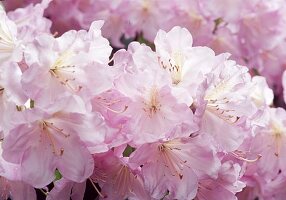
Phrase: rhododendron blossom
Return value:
(142, 100)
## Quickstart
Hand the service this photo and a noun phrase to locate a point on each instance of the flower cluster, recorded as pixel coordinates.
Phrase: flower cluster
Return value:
(253, 32)
(174, 122)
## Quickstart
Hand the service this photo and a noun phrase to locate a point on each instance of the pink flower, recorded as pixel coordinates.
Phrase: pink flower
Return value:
(151, 99)
(11, 184)
(269, 142)
(225, 186)
(74, 59)
(275, 189)
(185, 64)
(12, 97)
(175, 166)
(16, 190)
(223, 105)
(117, 178)
(30, 21)
(57, 135)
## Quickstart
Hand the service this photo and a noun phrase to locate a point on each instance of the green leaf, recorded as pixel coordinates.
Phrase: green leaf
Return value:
(58, 175)
(128, 150)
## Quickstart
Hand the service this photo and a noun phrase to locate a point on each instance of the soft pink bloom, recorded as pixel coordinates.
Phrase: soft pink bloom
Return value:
(261, 94)
(225, 186)
(175, 166)
(117, 178)
(223, 105)
(16, 190)
(63, 137)
(112, 105)
(151, 100)
(113, 12)
(11, 95)
(275, 189)
(185, 64)
(269, 142)
(67, 65)
(30, 21)
(11, 184)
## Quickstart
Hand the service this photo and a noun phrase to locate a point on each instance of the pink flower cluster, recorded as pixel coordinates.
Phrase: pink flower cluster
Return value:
(177, 122)
(253, 31)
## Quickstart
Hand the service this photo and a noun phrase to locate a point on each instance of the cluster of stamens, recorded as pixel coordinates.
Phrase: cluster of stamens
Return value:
(174, 70)
(123, 180)
(215, 107)
(241, 155)
(171, 159)
(152, 106)
(48, 129)
(108, 103)
(57, 72)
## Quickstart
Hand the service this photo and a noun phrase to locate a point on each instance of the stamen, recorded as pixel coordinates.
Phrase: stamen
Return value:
(96, 189)
(241, 156)
(46, 127)
(58, 130)
(117, 111)
(123, 180)
(99, 174)
(45, 193)
(214, 106)
(174, 66)
(172, 160)
(104, 103)
(56, 70)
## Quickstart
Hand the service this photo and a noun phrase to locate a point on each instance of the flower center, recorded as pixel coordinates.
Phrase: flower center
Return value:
(49, 129)
(174, 66)
(152, 105)
(218, 107)
(64, 71)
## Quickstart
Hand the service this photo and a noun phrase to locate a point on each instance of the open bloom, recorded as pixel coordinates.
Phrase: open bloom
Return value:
(117, 178)
(30, 21)
(225, 186)
(72, 62)
(185, 64)
(59, 135)
(154, 111)
(270, 143)
(222, 104)
(175, 166)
